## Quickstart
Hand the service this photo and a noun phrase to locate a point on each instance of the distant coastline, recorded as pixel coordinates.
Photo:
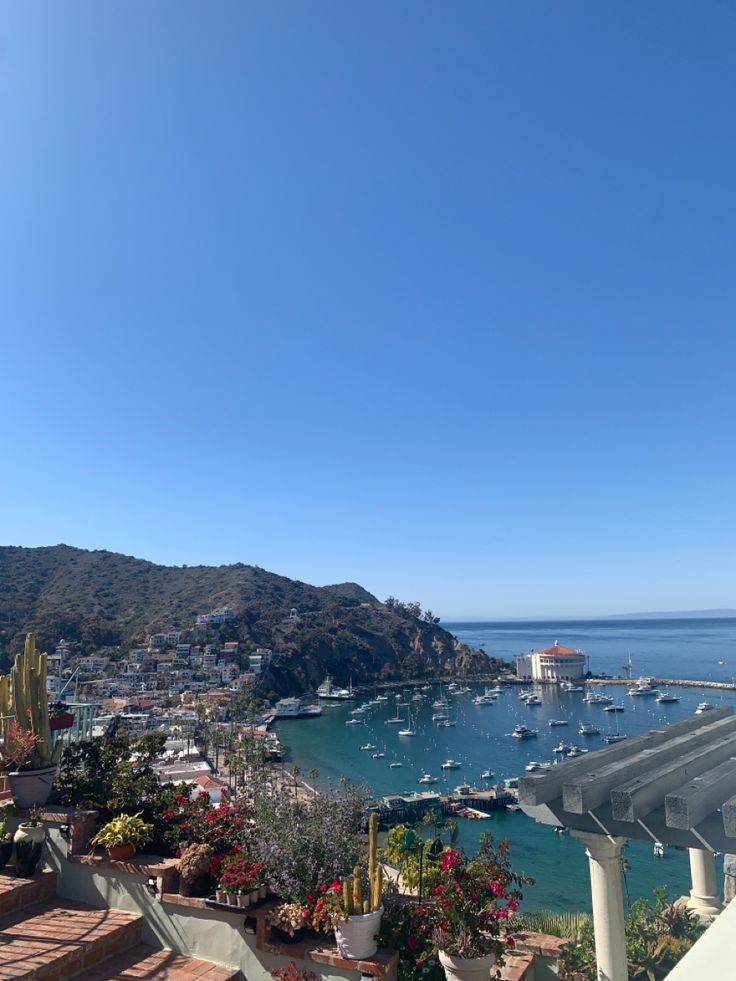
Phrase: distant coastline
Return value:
(724, 614)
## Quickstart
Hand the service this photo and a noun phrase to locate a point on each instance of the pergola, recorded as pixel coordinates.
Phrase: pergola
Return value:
(675, 785)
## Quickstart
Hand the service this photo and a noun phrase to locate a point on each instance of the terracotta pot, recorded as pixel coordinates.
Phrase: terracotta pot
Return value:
(62, 720)
(356, 936)
(31, 788)
(467, 968)
(28, 848)
(121, 853)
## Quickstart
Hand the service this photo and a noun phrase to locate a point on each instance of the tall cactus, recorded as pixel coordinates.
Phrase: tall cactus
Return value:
(353, 901)
(25, 693)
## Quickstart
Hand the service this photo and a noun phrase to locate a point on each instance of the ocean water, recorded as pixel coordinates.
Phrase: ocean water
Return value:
(481, 739)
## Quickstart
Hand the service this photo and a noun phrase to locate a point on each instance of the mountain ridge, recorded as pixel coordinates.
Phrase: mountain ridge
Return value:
(105, 600)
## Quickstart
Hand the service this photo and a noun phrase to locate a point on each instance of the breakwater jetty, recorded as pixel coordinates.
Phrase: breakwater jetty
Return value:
(668, 682)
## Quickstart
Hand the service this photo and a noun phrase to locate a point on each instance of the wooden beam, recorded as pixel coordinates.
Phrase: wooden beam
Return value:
(593, 788)
(691, 803)
(545, 787)
(635, 799)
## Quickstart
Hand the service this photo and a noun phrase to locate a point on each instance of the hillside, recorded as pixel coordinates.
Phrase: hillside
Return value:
(98, 599)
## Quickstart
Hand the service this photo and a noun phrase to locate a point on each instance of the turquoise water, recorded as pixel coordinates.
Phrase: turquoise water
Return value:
(481, 739)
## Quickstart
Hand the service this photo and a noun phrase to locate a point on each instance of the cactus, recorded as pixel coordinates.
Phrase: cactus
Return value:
(353, 902)
(23, 695)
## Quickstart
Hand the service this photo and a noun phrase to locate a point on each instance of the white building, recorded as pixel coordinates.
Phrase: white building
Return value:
(555, 663)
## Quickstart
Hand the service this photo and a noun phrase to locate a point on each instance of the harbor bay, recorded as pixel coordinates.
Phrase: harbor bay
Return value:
(481, 739)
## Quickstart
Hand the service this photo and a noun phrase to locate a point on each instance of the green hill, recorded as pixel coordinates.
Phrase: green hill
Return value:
(99, 599)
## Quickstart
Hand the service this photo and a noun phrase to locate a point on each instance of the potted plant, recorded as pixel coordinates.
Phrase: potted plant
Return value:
(194, 870)
(288, 921)
(29, 839)
(293, 973)
(123, 835)
(30, 755)
(359, 922)
(470, 903)
(59, 716)
(240, 877)
(6, 839)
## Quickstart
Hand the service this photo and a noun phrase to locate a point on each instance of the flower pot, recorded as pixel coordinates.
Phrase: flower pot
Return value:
(284, 937)
(6, 850)
(121, 853)
(28, 848)
(254, 895)
(467, 968)
(62, 720)
(232, 899)
(195, 887)
(263, 892)
(243, 900)
(31, 788)
(356, 936)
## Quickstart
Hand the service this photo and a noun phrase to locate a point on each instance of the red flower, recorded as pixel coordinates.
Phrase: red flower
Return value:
(412, 942)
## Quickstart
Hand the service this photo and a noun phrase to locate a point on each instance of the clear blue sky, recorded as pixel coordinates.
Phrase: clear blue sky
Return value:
(438, 298)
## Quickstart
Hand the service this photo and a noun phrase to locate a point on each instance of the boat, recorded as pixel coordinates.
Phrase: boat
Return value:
(378, 756)
(446, 723)
(523, 732)
(368, 747)
(451, 765)
(356, 722)
(408, 731)
(562, 748)
(658, 849)
(439, 717)
(588, 729)
(397, 718)
(427, 778)
(534, 700)
(532, 766)
(487, 775)
(572, 688)
(617, 708)
(703, 707)
(328, 690)
(393, 766)
(462, 790)
(614, 737)
(575, 751)
(665, 696)
(644, 686)
(381, 698)
(558, 722)
(486, 699)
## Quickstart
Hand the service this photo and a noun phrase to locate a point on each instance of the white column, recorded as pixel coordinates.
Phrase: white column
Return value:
(704, 898)
(604, 854)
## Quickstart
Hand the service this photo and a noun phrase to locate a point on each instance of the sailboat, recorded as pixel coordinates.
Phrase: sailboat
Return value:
(614, 737)
(397, 718)
(409, 731)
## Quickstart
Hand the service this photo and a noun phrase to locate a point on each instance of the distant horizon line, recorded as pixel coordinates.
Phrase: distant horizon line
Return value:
(714, 614)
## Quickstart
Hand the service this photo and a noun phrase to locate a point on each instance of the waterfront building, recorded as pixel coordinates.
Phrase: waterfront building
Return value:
(555, 663)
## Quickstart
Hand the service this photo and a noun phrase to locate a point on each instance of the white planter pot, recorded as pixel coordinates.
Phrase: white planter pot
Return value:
(31, 788)
(467, 968)
(356, 936)
(34, 835)
(243, 900)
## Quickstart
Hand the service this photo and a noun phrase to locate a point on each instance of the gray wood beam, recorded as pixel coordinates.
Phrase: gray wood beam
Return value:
(690, 804)
(591, 789)
(728, 812)
(635, 799)
(544, 787)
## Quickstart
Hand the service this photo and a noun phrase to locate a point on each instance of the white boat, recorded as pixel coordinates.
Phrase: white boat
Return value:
(703, 707)
(446, 723)
(616, 708)
(534, 700)
(427, 778)
(644, 686)
(575, 751)
(666, 697)
(393, 766)
(381, 698)
(523, 732)
(368, 747)
(658, 849)
(614, 737)
(329, 691)
(487, 775)
(558, 722)
(378, 756)
(532, 766)
(451, 765)
(484, 700)
(409, 731)
(356, 722)
(572, 688)
(397, 719)
(439, 717)
(588, 729)
(562, 748)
